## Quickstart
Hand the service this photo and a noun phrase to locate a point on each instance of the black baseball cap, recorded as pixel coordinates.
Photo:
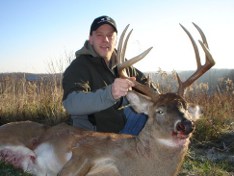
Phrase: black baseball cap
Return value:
(97, 22)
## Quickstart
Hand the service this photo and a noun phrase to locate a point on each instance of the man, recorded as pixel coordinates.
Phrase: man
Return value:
(94, 95)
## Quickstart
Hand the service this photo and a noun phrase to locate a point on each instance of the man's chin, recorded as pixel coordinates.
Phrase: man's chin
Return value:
(106, 56)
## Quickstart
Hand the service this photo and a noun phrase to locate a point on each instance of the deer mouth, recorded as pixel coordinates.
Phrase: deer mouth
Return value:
(183, 129)
(180, 134)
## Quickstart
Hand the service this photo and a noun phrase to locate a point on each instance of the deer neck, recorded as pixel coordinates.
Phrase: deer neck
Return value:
(149, 142)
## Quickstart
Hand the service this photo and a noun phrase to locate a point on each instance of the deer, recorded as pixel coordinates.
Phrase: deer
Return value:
(159, 149)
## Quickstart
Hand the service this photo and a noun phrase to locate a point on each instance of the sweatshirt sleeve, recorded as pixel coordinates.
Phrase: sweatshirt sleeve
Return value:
(83, 103)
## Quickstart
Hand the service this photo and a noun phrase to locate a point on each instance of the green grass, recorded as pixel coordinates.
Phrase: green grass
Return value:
(198, 164)
(8, 170)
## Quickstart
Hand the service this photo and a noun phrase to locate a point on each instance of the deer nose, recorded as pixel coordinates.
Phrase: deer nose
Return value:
(185, 127)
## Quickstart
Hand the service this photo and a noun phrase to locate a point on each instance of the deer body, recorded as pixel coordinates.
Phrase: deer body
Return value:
(36, 148)
(17, 141)
(156, 151)
(131, 158)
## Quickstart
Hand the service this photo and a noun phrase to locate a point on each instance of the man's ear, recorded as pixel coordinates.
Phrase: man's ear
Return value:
(90, 39)
(117, 39)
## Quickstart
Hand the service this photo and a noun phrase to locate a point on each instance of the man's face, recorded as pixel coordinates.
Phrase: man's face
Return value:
(104, 40)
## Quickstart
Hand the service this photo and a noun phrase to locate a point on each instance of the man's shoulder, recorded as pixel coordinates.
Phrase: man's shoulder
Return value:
(82, 59)
(82, 64)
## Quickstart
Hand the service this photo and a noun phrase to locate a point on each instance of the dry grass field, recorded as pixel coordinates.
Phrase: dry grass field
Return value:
(212, 148)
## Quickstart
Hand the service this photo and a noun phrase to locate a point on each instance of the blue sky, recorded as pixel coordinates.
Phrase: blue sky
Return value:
(34, 34)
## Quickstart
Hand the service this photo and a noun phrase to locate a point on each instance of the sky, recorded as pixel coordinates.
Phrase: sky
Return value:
(40, 36)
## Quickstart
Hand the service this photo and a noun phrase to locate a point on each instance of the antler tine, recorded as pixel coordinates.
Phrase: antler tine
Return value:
(201, 69)
(124, 47)
(132, 61)
(205, 46)
(121, 54)
(122, 64)
(196, 51)
(201, 34)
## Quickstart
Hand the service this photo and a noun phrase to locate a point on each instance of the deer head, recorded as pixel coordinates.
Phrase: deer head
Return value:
(169, 111)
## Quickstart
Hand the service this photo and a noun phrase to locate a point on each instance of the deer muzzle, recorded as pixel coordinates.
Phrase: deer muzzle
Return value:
(183, 128)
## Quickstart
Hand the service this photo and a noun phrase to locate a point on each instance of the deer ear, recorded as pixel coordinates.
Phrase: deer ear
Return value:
(139, 102)
(195, 111)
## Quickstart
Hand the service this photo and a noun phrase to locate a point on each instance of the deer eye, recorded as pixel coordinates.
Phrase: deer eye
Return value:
(159, 111)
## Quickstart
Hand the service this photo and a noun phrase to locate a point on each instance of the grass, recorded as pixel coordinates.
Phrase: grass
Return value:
(8, 170)
(212, 146)
(38, 100)
(206, 168)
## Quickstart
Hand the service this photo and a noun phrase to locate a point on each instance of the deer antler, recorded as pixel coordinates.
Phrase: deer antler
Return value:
(201, 69)
(122, 64)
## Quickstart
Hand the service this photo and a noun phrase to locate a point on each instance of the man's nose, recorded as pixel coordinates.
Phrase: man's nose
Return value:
(106, 38)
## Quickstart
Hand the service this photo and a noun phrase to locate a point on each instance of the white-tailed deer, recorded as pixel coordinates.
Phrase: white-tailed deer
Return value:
(158, 150)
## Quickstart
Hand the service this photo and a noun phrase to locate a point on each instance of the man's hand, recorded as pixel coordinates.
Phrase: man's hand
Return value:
(121, 86)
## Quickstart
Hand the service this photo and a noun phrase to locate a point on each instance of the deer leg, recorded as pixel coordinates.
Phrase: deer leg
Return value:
(103, 167)
(76, 166)
(19, 156)
(88, 166)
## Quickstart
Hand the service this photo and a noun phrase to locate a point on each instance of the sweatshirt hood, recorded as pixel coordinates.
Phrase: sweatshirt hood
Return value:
(87, 49)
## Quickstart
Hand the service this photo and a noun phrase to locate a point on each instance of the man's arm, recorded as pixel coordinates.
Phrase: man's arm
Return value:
(83, 103)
